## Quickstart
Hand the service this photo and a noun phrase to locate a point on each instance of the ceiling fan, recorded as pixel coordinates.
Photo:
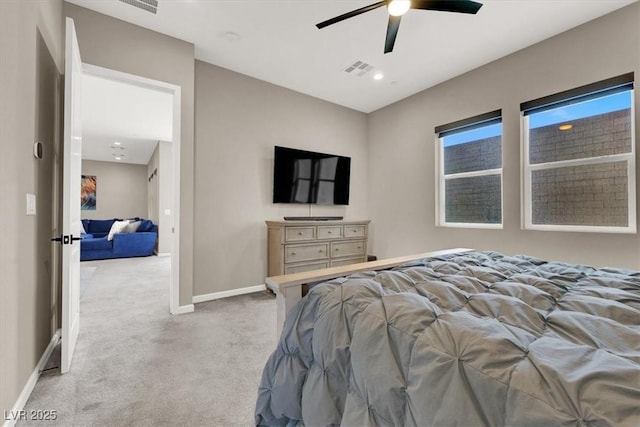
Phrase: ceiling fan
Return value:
(397, 8)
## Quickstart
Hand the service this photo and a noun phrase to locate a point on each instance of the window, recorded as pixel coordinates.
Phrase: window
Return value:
(579, 159)
(469, 164)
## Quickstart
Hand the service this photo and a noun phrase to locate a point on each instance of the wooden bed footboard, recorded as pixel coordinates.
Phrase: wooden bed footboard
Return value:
(288, 287)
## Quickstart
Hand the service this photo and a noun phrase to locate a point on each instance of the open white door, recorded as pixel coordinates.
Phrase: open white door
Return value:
(72, 164)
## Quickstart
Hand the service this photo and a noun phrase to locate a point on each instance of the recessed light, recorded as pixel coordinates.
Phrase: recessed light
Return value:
(118, 158)
(116, 143)
(565, 127)
(378, 76)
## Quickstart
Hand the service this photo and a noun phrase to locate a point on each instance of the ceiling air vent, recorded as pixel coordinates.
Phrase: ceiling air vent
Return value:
(148, 5)
(359, 68)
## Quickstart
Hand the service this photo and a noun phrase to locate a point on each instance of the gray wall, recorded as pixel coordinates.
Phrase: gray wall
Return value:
(160, 193)
(32, 62)
(121, 189)
(401, 145)
(238, 122)
(118, 45)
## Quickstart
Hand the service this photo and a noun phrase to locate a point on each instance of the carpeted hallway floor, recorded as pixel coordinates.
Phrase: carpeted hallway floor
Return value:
(137, 365)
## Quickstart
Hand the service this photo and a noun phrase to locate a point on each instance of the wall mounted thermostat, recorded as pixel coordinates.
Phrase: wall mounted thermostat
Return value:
(37, 150)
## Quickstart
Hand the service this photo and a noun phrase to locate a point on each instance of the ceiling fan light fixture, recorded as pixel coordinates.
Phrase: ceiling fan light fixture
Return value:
(398, 7)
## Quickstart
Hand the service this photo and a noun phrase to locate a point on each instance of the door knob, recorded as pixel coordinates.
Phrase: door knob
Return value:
(66, 239)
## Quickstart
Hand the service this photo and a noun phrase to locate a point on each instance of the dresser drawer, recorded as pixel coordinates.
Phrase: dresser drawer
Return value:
(295, 253)
(299, 268)
(296, 234)
(355, 230)
(341, 249)
(329, 232)
(346, 261)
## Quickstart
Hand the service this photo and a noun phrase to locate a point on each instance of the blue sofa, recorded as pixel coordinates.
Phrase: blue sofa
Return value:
(95, 245)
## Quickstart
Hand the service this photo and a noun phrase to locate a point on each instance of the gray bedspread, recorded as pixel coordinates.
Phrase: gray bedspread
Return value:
(479, 339)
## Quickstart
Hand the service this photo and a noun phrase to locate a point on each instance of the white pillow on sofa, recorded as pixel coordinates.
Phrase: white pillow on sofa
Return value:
(117, 227)
(132, 227)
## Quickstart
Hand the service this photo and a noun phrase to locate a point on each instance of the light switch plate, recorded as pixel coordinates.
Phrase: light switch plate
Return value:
(167, 211)
(31, 204)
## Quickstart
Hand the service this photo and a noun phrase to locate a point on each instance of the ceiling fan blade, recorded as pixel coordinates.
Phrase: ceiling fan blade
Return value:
(460, 6)
(392, 32)
(350, 14)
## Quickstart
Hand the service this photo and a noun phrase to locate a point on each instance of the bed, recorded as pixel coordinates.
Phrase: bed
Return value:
(458, 338)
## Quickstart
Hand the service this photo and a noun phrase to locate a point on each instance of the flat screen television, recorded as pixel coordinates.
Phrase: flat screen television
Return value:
(309, 177)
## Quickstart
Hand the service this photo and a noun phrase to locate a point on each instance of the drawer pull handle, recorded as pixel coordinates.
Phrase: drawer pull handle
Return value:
(359, 247)
(355, 231)
(300, 233)
(320, 251)
(337, 249)
(330, 232)
(293, 253)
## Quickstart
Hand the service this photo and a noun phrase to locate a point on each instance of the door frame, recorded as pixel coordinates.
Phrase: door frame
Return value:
(175, 91)
(56, 210)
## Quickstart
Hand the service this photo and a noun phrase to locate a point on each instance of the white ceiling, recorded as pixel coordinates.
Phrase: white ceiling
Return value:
(277, 41)
(133, 116)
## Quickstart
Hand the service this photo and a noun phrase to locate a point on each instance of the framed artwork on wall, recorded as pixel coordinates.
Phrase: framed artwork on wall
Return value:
(88, 193)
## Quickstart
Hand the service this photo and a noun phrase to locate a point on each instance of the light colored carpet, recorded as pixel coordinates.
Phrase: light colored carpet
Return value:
(137, 365)
(86, 274)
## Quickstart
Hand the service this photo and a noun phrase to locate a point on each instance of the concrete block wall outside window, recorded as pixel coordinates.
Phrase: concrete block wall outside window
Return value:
(470, 174)
(580, 177)
(582, 195)
(474, 199)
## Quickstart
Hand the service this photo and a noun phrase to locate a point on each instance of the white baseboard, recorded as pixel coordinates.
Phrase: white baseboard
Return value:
(230, 293)
(11, 418)
(162, 253)
(184, 309)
